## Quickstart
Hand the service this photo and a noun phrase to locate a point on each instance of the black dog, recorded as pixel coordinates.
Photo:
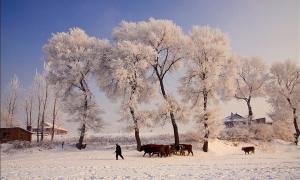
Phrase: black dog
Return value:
(248, 149)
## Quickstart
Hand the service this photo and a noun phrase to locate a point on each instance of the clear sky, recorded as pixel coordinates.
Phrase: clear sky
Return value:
(268, 28)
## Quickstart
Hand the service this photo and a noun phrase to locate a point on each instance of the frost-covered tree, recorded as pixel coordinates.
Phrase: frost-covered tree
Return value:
(71, 57)
(10, 103)
(45, 96)
(209, 72)
(162, 114)
(53, 107)
(167, 41)
(29, 100)
(251, 77)
(282, 118)
(128, 81)
(284, 93)
(40, 89)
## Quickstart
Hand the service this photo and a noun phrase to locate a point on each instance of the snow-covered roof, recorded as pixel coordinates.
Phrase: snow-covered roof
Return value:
(235, 117)
(238, 118)
(49, 125)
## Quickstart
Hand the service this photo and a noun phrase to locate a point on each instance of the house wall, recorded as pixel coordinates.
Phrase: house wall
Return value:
(11, 134)
(230, 124)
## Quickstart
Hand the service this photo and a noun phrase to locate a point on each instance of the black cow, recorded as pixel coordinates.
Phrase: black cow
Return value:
(249, 149)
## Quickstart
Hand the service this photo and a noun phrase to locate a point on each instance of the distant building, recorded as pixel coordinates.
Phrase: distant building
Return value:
(48, 130)
(236, 119)
(260, 120)
(14, 133)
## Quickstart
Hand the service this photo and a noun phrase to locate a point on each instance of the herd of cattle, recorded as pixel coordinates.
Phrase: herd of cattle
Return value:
(166, 150)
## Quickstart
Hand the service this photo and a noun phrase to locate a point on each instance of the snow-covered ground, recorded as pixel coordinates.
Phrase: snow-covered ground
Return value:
(278, 160)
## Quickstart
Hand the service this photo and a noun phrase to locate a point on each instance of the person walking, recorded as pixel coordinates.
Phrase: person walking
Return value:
(118, 152)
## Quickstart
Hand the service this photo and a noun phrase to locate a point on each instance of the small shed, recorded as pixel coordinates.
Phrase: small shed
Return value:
(14, 133)
(260, 120)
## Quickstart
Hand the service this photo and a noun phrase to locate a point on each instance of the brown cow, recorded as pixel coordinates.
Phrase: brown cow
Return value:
(147, 149)
(187, 147)
(153, 149)
(167, 150)
(182, 147)
(165, 153)
(182, 152)
(174, 149)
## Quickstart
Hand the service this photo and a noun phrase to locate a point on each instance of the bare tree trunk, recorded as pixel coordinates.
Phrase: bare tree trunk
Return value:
(13, 109)
(9, 113)
(27, 114)
(30, 114)
(175, 128)
(11, 120)
(136, 129)
(43, 115)
(297, 133)
(205, 123)
(80, 143)
(172, 116)
(133, 85)
(53, 119)
(250, 112)
(82, 131)
(38, 120)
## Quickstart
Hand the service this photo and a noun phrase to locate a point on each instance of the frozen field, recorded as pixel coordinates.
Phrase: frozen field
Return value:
(224, 161)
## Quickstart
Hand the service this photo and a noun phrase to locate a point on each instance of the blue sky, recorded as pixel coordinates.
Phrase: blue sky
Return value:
(269, 28)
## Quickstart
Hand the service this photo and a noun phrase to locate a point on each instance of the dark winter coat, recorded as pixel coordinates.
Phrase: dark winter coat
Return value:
(118, 149)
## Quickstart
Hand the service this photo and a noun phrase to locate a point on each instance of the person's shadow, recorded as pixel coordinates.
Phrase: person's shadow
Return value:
(103, 159)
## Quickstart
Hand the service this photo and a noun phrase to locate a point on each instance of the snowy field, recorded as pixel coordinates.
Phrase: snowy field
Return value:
(224, 161)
